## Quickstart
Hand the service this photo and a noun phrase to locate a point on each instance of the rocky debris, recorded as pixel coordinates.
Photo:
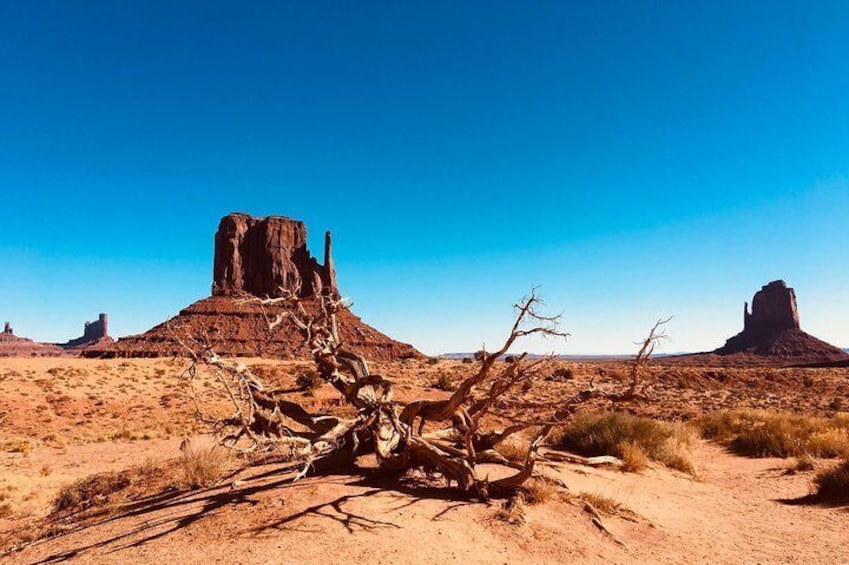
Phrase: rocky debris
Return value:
(14, 346)
(262, 257)
(94, 334)
(268, 257)
(771, 335)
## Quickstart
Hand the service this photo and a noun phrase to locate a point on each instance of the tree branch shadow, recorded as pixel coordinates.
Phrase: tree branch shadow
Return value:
(165, 513)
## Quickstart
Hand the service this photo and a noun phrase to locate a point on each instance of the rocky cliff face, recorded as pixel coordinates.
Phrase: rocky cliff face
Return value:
(268, 257)
(773, 310)
(265, 257)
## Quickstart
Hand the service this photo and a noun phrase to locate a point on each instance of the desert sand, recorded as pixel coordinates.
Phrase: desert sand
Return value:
(66, 419)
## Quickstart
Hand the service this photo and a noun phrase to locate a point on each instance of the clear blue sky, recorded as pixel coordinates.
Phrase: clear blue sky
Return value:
(635, 161)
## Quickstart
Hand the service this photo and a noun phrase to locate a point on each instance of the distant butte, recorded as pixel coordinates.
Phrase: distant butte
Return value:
(260, 257)
(771, 335)
(14, 346)
(95, 334)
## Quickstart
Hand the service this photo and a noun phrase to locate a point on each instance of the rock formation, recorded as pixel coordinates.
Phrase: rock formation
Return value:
(94, 334)
(772, 329)
(14, 346)
(264, 257)
(268, 257)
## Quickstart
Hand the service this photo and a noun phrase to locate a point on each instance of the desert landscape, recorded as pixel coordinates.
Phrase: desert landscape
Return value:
(344, 283)
(157, 446)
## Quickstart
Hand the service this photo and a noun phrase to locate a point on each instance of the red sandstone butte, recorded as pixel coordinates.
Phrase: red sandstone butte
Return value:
(14, 346)
(262, 257)
(95, 334)
(771, 335)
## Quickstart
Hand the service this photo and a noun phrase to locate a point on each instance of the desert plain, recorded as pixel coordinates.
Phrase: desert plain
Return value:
(104, 461)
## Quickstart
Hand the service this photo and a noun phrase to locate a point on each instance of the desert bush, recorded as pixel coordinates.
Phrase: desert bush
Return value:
(539, 490)
(801, 464)
(832, 485)
(433, 360)
(613, 433)
(634, 459)
(444, 382)
(562, 374)
(94, 490)
(760, 433)
(308, 380)
(203, 466)
(467, 361)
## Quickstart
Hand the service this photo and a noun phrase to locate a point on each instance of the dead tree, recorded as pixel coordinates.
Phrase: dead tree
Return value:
(399, 437)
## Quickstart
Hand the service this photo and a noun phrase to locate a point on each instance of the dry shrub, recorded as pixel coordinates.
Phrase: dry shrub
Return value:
(761, 433)
(94, 490)
(512, 511)
(539, 490)
(203, 466)
(601, 502)
(832, 485)
(801, 464)
(23, 446)
(308, 380)
(608, 433)
(634, 459)
(444, 382)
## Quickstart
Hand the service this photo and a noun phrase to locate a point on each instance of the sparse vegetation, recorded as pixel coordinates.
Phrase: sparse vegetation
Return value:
(832, 485)
(203, 466)
(94, 490)
(621, 435)
(760, 433)
(539, 490)
(444, 382)
(308, 380)
(561, 374)
(602, 503)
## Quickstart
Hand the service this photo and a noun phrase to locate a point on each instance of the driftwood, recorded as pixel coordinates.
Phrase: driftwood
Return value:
(397, 436)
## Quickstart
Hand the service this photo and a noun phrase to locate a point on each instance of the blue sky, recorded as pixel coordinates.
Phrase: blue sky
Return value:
(634, 161)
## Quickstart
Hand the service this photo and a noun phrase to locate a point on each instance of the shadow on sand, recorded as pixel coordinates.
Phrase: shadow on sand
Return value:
(154, 517)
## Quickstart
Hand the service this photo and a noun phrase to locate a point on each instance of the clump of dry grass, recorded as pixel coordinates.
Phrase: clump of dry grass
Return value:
(513, 511)
(94, 490)
(111, 489)
(761, 433)
(539, 490)
(832, 485)
(602, 503)
(625, 436)
(634, 459)
(16, 445)
(444, 382)
(801, 464)
(203, 466)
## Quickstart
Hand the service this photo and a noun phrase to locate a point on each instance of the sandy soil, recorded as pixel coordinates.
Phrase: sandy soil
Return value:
(68, 418)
